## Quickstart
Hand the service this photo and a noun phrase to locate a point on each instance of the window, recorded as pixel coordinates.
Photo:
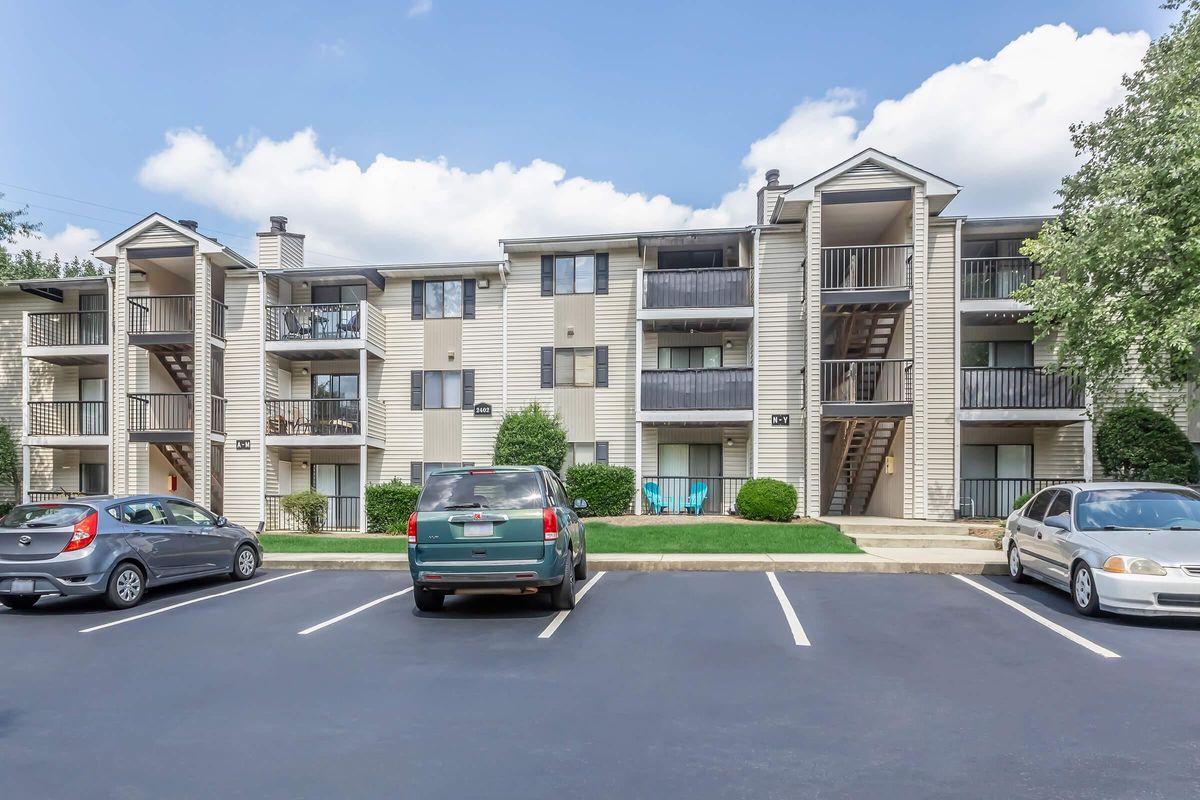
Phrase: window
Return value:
(1061, 504)
(689, 259)
(45, 515)
(93, 478)
(352, 293)
(574, 274)
(335, 387)
(143, 512)
(580, 453)
(443, 299)
(1154, 509)
(419, 472)
(188, 514)
(997, 354)
(707, 357)
(992, 248)
(1037, 507)
(976, 354)
(485, 489)
(443, 389)
(574, 366)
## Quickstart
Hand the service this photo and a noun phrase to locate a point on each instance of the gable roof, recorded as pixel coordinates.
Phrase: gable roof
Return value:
(107, 252)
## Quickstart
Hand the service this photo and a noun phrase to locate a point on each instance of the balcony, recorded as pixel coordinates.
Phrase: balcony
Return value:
(217, 322)
(311, 332)
(986, 288)
(692, 494)
(163, 321)
(341, 514)
(700, 395)
(216, 414)
(853, 388)
(696, 299)
(314, 422)
(68, 337)
(870, 275)
(68, 423)
(160, 417)
(995, 497)
(1019, 393)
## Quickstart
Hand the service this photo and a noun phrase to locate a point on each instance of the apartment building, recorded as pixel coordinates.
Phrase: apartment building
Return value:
(858, 341)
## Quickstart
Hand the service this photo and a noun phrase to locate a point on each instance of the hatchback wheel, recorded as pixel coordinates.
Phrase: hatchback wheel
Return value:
(19, 602)
(245, 563)
(562, 596)
(1016, 570)
(1083, 592)
(427, 599)
(126, 586)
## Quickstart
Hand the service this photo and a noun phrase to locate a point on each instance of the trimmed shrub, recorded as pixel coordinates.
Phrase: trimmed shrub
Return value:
(531, 437)
(1022, 500)
(608, 489)
(1137, 443)
(307, 508)
(389, 506)
(767, 499)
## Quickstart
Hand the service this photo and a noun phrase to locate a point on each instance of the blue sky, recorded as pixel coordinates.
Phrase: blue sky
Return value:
(657, 98)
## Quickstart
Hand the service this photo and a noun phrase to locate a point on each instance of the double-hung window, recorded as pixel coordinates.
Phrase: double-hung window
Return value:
(443, 389)
(443, 299)
(574, 366)
(574, 274)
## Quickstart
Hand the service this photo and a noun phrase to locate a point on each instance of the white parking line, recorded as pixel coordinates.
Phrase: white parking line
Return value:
(353, 611)
(1087, 644)
(561, 616)
(789, 613)
(174, 606)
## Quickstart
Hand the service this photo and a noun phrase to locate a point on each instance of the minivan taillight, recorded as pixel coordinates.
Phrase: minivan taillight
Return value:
(84, 533)
(549, 525)
(412, 528)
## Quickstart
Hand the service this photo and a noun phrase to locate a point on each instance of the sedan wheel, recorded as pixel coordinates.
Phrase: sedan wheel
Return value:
(1016, 569)
(1083, 592)
(245, 563)
(125, 587)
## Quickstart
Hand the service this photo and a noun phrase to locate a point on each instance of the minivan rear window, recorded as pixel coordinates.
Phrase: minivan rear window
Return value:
(45, 515)
(457, 490)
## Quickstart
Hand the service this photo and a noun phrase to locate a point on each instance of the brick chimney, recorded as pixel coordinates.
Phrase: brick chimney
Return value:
(278, 249)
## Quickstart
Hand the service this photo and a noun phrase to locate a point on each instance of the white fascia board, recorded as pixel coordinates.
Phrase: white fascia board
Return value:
(1030, 415)
(716, 416)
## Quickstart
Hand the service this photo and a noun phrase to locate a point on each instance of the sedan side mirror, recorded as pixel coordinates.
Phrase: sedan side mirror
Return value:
(222, 522)
(580, 503)
(1060, 521)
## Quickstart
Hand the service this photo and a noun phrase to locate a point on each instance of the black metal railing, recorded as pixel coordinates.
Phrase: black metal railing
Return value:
(218, 318)
(68, 328)
(995, 278)
(697, 389)
(864, 381)
(160, 411)
(175, 313)
(341, 514)
(216, 414)
(674, 494)
(68, 418)
(1018, 387)
(698, 288)
(56, 494)
(314, 322)
(313, 417)
(995, 497)
(877, 266)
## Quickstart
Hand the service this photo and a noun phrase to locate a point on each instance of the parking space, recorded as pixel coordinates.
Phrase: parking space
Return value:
(670, 684)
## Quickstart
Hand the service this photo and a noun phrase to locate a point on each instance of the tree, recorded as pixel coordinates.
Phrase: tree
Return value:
(11, 466)
(1120, 285)
(28, 265)
(531, 436)
(1137, 443)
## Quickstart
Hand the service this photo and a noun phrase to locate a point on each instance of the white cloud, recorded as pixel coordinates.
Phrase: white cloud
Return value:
(332, 50)
(419, 8)
(996, 126)
(68, 243)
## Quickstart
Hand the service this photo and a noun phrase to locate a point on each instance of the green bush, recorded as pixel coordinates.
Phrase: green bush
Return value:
(1022, 500)
(307, 508)
(767, 498)
(1137, 443)
(531, 437)
(608, 489)
(389, 506)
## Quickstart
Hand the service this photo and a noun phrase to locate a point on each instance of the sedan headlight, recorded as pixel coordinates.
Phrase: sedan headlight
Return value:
(1133, 566)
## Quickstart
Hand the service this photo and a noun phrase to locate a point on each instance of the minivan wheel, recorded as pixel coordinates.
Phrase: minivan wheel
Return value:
(427, 599)
(581, 567)
(245, 563)
(19, 602)
(562, 596)
(1016, 569)
(1083, 591)
(126, 586)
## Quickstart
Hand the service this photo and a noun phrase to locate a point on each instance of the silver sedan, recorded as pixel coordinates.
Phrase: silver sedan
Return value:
(1129, 548)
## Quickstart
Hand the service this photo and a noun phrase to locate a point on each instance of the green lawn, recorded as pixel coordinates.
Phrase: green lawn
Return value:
(700, 537)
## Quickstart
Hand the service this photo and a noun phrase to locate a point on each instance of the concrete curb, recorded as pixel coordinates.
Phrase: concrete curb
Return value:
(653, 562)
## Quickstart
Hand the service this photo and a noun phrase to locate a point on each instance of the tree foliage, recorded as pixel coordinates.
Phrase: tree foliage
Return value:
(11, 466)
(1120, 285)
(28, 265)
(529, 437)
(1137, 443)
(608, 489)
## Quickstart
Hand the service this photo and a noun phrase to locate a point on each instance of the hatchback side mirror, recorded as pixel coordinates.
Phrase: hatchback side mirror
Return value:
(1060, 521)
(222, 522)
(579, 503)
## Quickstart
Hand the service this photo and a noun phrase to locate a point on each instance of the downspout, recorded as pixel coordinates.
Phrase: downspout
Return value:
(957, 443)
(754, 356)
(262, 398)
(505, 267)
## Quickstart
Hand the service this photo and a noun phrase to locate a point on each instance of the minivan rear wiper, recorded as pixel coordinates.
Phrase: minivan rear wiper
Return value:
(455, 506)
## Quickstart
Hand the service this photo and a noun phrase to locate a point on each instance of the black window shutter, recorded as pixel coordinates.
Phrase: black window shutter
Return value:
(601, 273)
(469, 298)
(547, 367)
(602, 367)
(468, 388)
(414, 472)
(547, 276)
(601, 452)
(418, 299)
(415, 385)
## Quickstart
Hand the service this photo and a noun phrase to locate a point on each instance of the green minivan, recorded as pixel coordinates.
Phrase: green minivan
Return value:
(495, 530)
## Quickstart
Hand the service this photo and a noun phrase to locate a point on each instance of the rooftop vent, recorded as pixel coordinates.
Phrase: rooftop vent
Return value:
(772, 177)
(278, 224)
(189, 223)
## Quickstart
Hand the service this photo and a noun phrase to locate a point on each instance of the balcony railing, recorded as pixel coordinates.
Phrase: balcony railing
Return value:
(995, 278)
(878, 266)
(319, 322)
(216, 414)
(68, 328)
(995, 497)
(174, 313)
(69, 418)
(697, 389)
(218, 319)
(672, 494)
(1018, 387)
(341, 514)
(697, 288)
(160, 411)
(866, 381)
(313, 417)
(60, 494)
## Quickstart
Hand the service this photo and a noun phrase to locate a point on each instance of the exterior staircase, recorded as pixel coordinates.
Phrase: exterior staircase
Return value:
(178, 364)
(858, 451)
(180, 456)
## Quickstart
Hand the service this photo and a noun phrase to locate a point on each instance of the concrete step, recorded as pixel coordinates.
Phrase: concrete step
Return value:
(945, 540)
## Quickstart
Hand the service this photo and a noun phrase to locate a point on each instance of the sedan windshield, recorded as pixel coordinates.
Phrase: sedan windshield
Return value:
(483, 489)
(44, 515)
(1138, 509)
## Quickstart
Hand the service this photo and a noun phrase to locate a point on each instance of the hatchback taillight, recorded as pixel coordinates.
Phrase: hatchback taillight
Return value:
(412, 528)
(84, 533)
(549, 525)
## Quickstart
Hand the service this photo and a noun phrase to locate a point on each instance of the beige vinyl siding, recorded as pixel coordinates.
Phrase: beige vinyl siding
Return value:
(811, 491)
(575, 318)
(13, 304)
(280, 251)
(443, 344)
(201, 371)
(888, 498)
(530, 328)
(940, 402)
(1170, 401)
(735, 457)
(1058, 451)
(576, 405)
(867, 175)
(159, 235)
(483, 352)
(390, 381)
(916, 429)
(615, 329)
(243, 482)
(737, 354)
(443, 434)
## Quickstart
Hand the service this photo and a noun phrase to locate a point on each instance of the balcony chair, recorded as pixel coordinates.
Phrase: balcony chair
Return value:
(295, 328)
(350, 326)
(654, 497)
(695, 498)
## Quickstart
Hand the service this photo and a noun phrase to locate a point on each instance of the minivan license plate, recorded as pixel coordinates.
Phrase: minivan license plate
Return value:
(477, 529)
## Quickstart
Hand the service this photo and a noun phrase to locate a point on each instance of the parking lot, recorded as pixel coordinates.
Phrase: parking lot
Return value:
(673, 684)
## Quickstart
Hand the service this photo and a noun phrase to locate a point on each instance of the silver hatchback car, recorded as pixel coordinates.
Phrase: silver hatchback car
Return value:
(116, 547)
(1129, 548)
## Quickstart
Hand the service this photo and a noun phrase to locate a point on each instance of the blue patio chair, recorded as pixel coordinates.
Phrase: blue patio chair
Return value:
(695, 498)
(654, 497)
